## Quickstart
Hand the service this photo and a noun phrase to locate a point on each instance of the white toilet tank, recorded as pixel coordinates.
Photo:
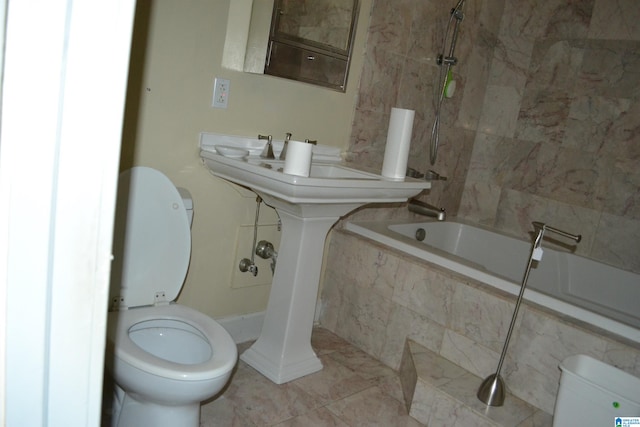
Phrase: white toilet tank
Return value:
(593, 393)
(188, 203)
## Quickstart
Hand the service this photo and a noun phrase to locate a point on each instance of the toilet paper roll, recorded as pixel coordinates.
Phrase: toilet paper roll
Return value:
(396, 152)
(298, 160)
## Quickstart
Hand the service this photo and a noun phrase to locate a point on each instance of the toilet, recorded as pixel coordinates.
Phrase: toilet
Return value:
(163, 358)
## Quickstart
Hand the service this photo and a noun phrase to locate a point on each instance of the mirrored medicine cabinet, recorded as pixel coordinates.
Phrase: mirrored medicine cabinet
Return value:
(304, 40)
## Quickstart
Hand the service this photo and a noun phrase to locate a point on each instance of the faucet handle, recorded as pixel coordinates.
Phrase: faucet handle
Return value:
(313, 142)
(432, 175)
(283, 153)
(267, 152)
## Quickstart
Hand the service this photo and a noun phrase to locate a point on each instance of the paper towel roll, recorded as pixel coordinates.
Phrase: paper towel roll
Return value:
(298, 160)
(396, 152)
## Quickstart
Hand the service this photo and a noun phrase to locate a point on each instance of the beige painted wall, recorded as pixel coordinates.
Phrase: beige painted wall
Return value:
(177, 53)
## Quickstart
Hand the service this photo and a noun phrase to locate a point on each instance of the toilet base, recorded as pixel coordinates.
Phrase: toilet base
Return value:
(129, 412)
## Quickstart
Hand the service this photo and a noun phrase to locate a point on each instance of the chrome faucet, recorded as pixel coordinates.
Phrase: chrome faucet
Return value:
(426, 209)
(283, 153)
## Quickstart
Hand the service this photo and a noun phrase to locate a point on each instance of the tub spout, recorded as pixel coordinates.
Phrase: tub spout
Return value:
(426, 209)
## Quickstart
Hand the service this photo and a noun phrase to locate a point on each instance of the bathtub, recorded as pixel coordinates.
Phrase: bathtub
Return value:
(574, 286)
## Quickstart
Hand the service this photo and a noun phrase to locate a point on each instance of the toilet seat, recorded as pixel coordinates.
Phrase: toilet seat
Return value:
(223, 348)
(152, 240)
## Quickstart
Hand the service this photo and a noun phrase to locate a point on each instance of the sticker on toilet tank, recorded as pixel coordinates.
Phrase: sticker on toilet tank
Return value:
(627, 421)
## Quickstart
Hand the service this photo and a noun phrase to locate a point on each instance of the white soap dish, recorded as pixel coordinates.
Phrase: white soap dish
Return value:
(233, 152)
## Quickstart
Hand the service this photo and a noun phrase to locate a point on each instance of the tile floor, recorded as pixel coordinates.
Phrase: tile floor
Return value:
(352, 390)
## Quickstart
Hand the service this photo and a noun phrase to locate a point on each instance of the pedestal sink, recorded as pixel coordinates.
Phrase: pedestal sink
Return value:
(308, 207)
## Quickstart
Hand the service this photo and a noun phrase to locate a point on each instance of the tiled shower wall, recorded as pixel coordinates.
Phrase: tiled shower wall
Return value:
(545, 121)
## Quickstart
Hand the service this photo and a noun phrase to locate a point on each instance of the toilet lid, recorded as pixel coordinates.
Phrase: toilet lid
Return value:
(152, 239)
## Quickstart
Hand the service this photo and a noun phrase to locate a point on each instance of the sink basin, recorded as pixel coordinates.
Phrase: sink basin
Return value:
(328, 182)
(308, 207)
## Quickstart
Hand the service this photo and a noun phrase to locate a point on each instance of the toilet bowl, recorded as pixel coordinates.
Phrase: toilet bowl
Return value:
(164, 358)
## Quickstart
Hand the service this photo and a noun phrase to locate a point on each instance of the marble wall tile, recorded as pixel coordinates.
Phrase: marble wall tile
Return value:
(625, 132)
(454, 155)
(610, 68)
(416, 89)
(425, 398)
(615, 20)
(369, 136)
(427, 26)
(555, 64)
(543, 114)
(622, 356)
(542, 344)
(596, 124)
(480, 316)
(480, 202)
(390, 25)
(617, 242)
(573, 176)
(547, 18)
(331, 302)
(427, 293)
(381, 72)
(363, 319)
(408, 375)
(490, 14)
(469, 354)
(472, 91)
(406, 324)
(511, 58)
(625, 179)
(445, 412)
(502, 102)
(504, 162)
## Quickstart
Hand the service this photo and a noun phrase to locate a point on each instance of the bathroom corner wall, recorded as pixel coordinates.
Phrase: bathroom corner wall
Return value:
(559, 134)
(544, 124)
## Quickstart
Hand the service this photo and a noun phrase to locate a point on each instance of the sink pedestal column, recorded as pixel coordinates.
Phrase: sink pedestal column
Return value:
(283, 351)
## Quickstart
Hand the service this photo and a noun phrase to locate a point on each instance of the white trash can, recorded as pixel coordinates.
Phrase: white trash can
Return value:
(593, 393)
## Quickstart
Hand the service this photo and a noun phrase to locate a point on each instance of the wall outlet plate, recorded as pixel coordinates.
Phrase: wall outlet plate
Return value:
(220, 93)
